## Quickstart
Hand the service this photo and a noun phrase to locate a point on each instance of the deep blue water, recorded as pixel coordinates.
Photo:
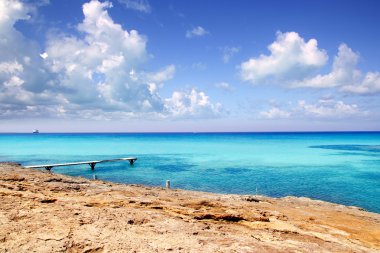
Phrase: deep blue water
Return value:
(337, 167)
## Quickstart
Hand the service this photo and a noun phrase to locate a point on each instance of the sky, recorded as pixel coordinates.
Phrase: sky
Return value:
(189, 66)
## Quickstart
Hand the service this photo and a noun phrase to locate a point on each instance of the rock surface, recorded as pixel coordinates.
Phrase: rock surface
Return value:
(43, 212)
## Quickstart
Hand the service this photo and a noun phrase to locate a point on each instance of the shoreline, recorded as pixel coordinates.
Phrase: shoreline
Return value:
(211, 192)
(53, 212)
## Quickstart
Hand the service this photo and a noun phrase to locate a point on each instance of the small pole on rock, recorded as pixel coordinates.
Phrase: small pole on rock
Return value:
(167, 184)
(94, 177)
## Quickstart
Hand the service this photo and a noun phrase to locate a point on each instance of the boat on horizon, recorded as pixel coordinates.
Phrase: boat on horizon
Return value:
(35, 131)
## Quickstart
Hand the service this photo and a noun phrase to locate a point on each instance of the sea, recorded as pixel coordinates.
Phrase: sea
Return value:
(340, 167)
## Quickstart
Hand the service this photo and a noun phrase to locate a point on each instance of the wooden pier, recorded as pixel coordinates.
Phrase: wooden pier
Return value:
(91, 163)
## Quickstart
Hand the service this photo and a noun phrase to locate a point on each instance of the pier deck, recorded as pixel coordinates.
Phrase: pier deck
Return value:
(91, 163)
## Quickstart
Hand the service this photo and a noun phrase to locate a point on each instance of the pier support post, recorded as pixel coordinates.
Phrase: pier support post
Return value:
(167, 184)
(48, 168)
(92, 165)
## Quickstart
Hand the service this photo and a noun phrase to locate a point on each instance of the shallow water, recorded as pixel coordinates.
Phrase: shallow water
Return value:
(338, 167)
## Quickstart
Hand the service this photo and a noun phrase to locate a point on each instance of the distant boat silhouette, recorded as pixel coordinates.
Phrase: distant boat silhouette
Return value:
(35, 131)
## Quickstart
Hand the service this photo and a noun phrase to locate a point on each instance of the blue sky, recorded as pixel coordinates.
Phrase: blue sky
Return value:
(143, 65)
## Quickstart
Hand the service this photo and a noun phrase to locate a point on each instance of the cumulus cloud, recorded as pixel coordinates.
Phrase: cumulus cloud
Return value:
(292, 61)
(275, 113)
(193, 103)
(370, 84)
(10, 12)
(94, 69)
(23, 78)
(163, 75)
(229, 52)
(343, 71)
(329, 109)
(138, 5)
(11, 67)
(345, 75)
(198, 31)
(99, 71)
(326, 108)
(290, 58)
(94, 74)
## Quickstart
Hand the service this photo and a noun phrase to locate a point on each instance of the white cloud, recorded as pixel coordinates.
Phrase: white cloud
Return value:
(11, 67)
(345, 75)
(196, 32)
(275, 113)
(323, 109)
(10, 12)
(343, 72)
(95, 74)
(292, 61)
(95, 71)
(224, 86)
(138, 5)
(163, 75)
(291, 58)
(191, 104)
(229, 52)
(14, 81)
(370, 84)
(23, 78)
(329, 109)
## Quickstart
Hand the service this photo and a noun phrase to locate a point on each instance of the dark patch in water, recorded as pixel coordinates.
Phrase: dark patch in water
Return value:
(366, 148)
(356, 154)
(372, 176)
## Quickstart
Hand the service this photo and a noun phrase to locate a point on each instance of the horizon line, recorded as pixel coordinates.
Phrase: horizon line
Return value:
(196, 132)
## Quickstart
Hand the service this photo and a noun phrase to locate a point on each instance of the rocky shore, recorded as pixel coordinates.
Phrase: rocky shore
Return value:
(43, 212)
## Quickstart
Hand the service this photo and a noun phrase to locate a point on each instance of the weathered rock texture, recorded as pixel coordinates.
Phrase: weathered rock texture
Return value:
(43, 212)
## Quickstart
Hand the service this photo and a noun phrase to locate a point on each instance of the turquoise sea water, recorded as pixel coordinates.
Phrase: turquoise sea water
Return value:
(338, 167)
